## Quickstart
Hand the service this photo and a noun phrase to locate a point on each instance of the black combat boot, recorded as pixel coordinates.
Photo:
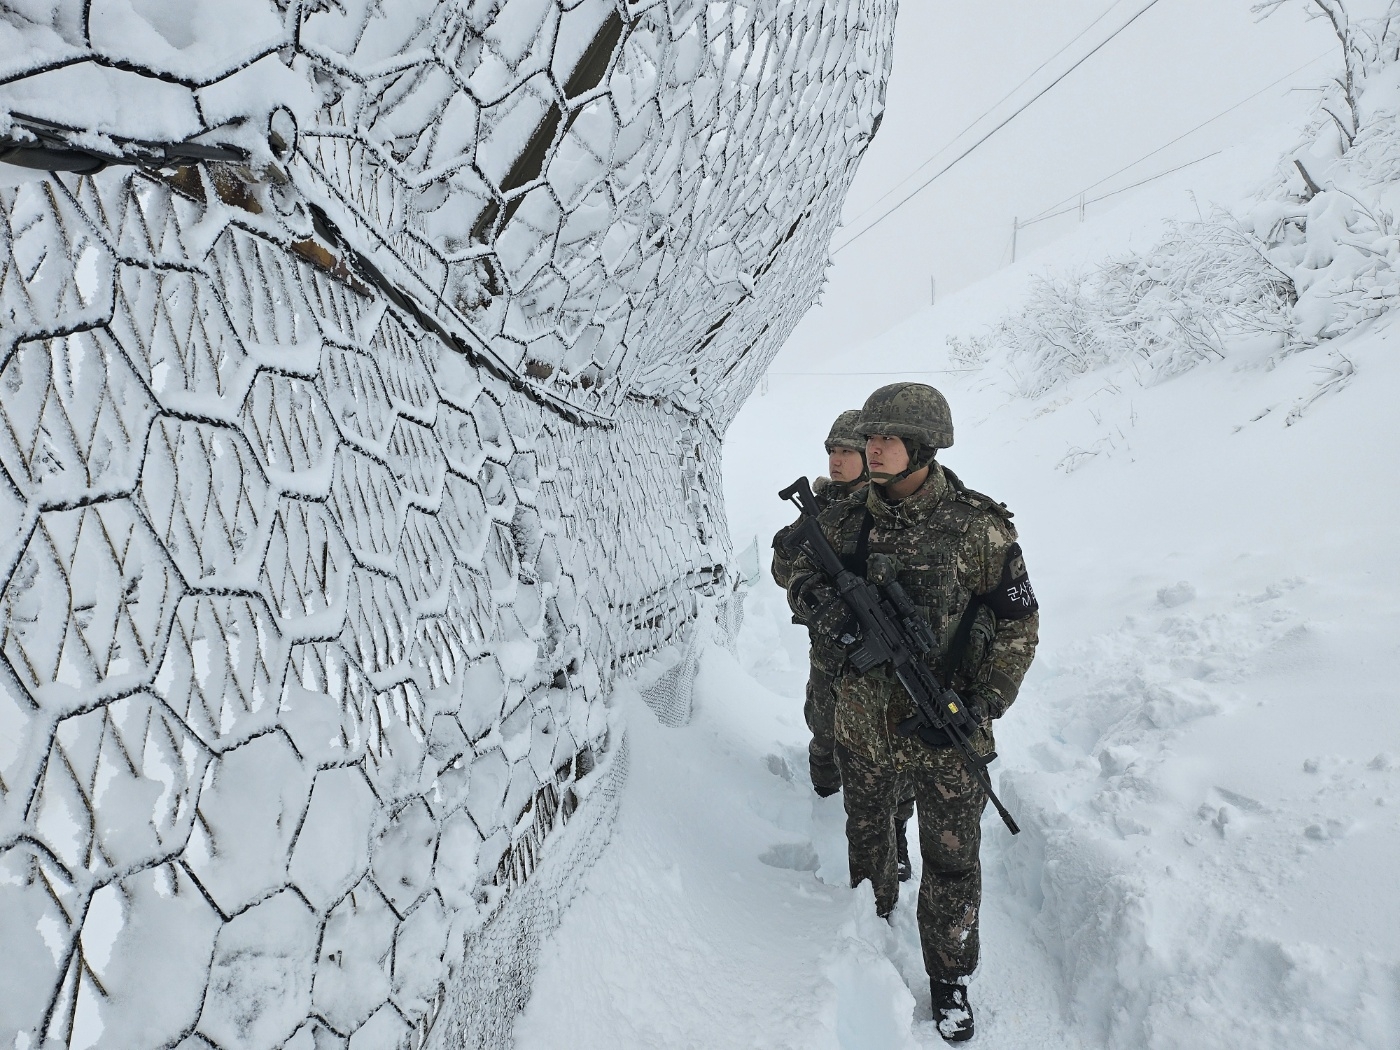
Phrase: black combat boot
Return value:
(952, 1013)
(901, 847)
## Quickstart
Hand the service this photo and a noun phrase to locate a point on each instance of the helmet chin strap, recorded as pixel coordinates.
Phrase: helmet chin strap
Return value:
(919, 457)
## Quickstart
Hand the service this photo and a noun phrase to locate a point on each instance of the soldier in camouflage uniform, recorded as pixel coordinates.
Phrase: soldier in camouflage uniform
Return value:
(844, 447)
(955, 553)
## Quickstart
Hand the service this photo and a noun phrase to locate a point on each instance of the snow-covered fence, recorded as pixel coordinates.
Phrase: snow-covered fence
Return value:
(341, 483)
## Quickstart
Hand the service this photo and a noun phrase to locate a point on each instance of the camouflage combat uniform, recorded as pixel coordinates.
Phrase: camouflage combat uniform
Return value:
(957, 558)
(825, 655)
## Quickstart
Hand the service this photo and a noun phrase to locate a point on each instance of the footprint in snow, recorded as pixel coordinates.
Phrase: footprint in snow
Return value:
(779, 766)
(1177, 594)
(793, 856)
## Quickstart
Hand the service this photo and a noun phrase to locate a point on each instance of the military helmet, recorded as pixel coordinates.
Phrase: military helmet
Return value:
(912, 411)
(844, 433)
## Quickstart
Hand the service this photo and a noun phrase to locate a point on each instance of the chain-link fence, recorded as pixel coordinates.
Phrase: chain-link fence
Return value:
(340, 482)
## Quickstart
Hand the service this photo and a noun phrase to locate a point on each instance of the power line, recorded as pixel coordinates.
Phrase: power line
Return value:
(1114, 193)
(985, 113)
(1015, 113)
(1173, 142)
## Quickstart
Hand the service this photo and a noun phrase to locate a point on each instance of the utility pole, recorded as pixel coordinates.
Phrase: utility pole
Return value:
(932, 291)
(1081, 207)
(1015, 228)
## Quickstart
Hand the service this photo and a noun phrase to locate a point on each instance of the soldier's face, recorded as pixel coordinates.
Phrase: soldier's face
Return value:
(844, 464)
(885, 455)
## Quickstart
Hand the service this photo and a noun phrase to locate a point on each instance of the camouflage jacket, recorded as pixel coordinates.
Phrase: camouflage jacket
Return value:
(958, 560)
(826, 653)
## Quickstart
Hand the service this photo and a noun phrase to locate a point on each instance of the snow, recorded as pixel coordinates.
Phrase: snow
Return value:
(1202, 757)
(720, 915)
(260, 984)
(155, 934)
(331, 845)
(249, 819)
(359, 934)
(196, 40)
(114, 100)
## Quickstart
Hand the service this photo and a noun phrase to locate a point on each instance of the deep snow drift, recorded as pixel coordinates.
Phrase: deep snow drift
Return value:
(1205, 757)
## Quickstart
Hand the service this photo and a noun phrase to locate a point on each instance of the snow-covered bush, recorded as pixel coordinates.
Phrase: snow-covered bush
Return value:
(1341, 250)
(1314, 255)
(1204, 286)
(1369, 34)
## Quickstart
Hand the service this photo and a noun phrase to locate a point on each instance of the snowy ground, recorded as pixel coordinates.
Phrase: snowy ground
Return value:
(1205, 757)
(720, 915)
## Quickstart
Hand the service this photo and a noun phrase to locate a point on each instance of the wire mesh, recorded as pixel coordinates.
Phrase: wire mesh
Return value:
(337, 487)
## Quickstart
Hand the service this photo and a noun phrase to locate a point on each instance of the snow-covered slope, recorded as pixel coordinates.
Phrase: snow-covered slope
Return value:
(1205, 757)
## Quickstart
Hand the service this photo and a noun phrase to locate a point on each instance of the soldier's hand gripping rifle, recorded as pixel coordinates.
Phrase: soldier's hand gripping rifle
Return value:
(893, 632)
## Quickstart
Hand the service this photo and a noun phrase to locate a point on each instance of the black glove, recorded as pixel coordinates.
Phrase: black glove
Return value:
(783, 542)
(812, 593)
(976, 706)
(972, 716)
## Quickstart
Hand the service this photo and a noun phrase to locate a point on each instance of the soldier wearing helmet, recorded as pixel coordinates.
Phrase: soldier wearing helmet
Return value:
(846, 462)
(955, 553)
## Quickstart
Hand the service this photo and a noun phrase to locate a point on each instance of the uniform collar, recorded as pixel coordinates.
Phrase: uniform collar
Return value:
(913, 508)
(835, 490)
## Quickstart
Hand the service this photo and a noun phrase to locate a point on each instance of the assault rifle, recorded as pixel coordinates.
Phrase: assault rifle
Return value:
(893, 632)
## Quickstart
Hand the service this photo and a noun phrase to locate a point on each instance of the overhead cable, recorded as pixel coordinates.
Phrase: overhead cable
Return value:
(902, 372)
(1148, 156)
(1014, 114)
(985, 113)
(1023, 223)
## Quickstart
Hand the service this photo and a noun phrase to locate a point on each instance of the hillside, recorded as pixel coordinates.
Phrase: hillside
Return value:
(1205, 754)
(1205, 757)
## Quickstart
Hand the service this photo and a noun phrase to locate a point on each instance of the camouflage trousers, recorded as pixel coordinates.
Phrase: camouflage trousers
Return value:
(950, 807)
(820, 711)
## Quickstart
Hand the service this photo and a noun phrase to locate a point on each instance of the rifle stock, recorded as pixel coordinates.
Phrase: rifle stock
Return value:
(893, 632)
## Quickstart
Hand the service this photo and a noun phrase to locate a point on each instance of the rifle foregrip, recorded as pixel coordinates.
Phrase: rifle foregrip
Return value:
(864, 660)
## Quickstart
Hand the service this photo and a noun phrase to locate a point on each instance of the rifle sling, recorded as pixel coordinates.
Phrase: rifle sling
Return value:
(961, 637)
(858, 562)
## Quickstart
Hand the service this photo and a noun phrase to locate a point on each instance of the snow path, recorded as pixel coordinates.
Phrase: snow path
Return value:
(1205, 756)
(719, 916)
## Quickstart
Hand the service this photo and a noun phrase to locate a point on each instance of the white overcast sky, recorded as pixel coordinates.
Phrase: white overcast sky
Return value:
(1180, 64)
